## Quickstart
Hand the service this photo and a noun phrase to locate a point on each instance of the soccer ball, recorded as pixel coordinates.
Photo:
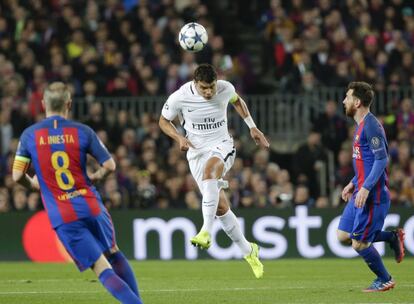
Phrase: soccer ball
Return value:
(193, 37)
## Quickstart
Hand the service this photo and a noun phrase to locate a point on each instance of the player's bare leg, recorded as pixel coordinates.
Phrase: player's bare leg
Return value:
(232, 228)
(210, 189)
(113, 283)
(100, 265)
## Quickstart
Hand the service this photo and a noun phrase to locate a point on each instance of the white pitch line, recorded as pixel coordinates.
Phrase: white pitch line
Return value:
(143, 290)
(44, 280)
(169, 290)
(45, 292)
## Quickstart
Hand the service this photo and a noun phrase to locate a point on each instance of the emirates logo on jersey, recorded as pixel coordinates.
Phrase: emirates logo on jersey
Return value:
(208, 124)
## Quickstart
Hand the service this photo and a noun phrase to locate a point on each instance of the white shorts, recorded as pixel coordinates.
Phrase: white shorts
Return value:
(197, 158)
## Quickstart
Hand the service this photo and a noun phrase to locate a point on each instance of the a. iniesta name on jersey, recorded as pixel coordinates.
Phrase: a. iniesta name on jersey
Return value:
(56, 139)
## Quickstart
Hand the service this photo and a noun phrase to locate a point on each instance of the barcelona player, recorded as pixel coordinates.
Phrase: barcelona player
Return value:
(57, 148)
(367, 194)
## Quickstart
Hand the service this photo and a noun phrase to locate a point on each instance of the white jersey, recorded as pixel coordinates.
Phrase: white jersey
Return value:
(205, 121)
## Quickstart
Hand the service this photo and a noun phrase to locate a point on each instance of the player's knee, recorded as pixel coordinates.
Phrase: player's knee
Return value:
(343, 237)
(111, 251)
(222, 210)
(100, 265)
(209, 174)
(213, 169)
(358, 246)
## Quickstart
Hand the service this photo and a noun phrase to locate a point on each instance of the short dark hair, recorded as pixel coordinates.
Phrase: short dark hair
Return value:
(363, 91)
(205, 72)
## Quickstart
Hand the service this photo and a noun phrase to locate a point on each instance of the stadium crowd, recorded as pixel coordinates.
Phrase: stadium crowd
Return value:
(113, 48)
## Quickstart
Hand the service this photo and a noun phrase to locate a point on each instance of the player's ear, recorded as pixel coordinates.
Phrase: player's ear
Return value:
(43, 103)
(69, 104)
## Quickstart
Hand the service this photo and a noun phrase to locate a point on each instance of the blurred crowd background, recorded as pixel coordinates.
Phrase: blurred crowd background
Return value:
(129, 48)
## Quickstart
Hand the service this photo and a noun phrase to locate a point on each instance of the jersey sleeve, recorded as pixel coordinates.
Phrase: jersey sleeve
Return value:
(22, 159)
(376, 139)
(232, 92)
(96, 148)
(171, 109)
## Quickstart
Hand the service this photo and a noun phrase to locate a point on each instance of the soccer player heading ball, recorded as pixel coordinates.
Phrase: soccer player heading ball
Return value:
(57, 148)
(367, 194)
(201, 106)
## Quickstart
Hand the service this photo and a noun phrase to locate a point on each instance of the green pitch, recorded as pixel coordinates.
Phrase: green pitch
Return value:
(285, 281)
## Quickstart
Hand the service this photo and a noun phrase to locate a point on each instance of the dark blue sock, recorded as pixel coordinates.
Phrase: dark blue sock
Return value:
(374, 262)
(122, 268)
(384, 236)
(118, 288)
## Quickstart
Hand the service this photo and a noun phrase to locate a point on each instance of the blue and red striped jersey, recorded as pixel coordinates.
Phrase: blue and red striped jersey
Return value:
(370, 144)
(58, 150)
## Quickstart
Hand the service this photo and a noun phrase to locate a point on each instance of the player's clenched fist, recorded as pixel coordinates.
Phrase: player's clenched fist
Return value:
(184, 143)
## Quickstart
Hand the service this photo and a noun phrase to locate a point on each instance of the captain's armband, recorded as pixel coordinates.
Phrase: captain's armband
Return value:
(21, 163)
(234, 98)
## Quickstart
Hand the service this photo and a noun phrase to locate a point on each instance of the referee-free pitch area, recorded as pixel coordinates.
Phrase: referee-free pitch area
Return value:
(208, 281)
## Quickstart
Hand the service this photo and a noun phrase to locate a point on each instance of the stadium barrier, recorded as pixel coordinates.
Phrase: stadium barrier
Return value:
(165, 234)
(285, 117)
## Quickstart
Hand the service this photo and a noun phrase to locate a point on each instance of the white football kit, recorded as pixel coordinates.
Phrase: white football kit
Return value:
(205, 123)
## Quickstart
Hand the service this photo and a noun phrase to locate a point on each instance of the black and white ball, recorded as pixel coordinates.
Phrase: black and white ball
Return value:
(193, 37)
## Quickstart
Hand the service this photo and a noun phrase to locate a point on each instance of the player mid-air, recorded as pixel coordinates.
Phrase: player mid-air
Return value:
(201, 106)
(57, 148)
(367, 194)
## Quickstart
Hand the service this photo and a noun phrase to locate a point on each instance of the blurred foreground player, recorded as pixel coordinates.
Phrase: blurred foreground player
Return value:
(201, 105)
(57, 148)
(367, 194)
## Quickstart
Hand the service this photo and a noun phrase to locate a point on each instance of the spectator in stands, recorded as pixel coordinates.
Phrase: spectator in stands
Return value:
(19, 198)
(405, 118)
(302, 196)
(307, 162)
(333, 127)
(96, 119)
(176, 193)
(272, 173)
(112, 195)
(146, 191)
(260, 191)
(33, 201)
(404, 156)
(192, 200)
(343, 174)
(281, 194)
(6, 132)
(4, 200)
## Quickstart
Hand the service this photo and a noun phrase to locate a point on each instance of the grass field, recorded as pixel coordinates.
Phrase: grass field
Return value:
(285, 281)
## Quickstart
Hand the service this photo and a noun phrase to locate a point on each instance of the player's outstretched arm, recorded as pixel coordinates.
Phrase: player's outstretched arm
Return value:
(169, 129)
(241, 108)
